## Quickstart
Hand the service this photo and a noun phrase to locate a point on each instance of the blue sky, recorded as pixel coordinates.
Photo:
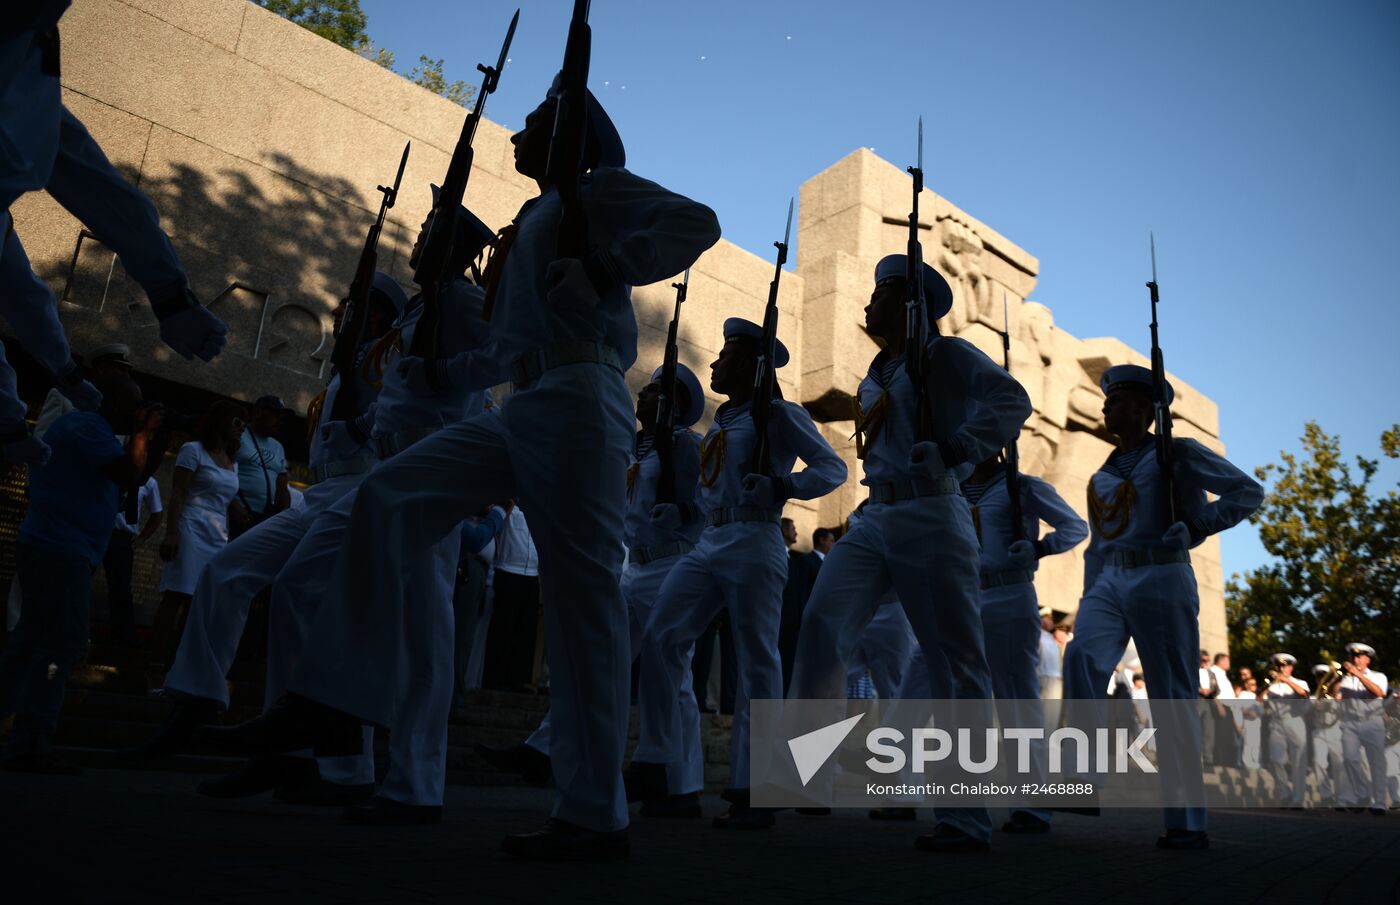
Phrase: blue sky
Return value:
(1259, 140)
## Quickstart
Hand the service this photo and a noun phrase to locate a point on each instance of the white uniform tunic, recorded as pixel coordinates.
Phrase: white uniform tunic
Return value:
(740, 566)
(1153, 601)
(1363, 741)
(924, 548)
(560, 447)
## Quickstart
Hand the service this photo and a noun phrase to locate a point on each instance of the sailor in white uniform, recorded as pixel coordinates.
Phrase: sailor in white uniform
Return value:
(563, 330)
(44, 146)
(1325, 734)
(1138, 579)
(1362, 695)
(1010, 609)
(739, 564)
(669, 789)
(239, 571)
(1287, 700)
(917, 536)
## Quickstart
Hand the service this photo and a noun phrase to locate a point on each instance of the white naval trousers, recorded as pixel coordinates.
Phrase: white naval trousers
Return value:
(1327, 768)
(418, 735)
(885, 650)
(561, 449)
(224, 595)
(1157, 606)
(742, 567)
(924, 550)
(1365, 784)
(640, 587)
(1288, 744)
(1011, 627)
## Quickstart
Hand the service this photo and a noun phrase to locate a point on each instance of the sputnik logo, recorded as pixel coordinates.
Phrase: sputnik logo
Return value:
(813, 749)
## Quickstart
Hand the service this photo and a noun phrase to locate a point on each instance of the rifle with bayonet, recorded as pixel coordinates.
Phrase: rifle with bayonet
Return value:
(1161, 408)
(1013, 455)
(663, 437)
(432, 274)
(356, 316)
(915, 312)
(765, 373)
(569, 138)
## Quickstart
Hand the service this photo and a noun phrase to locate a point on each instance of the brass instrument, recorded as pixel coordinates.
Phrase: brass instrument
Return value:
(1328, 683)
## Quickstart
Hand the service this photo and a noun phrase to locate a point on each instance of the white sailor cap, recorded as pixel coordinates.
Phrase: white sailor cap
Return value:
(611, 152)
(938, 295)
(389, 288)
(1321, 669)
(116, 353)
(1356, 647)
(471, 232)
(696, 396)
(1284, 659)
(737, 326)
(1130, 375)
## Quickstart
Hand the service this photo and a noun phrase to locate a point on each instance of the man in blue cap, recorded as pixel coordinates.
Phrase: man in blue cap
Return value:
(740, 562)
(44, 146)
(1138, 580)
(564, 332)
(653, 549)
(916, 537)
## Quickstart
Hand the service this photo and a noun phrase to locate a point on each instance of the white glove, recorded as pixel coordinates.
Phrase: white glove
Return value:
(1178, 537)
(925, 461)
(415, 372)
(759, 491)
(666, 516)
(80, 392)
(337, 440)
(26, 450)
(569, 285)
(189, 328)
(1021, 555)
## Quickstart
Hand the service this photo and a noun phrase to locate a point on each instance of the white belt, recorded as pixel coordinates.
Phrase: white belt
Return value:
(357, 465)
(640, 556)
(730, 514)
(528, 368)
(1153, 556)
(392, 444)
(898, 491)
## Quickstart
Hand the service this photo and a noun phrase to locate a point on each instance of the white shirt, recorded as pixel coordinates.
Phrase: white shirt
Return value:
(515, 549)
(147, 503)
(1361, 703)
(1227, 691)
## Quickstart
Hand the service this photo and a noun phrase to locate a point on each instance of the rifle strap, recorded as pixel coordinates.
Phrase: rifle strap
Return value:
(712, 457)
(313, 414)
(496, 266)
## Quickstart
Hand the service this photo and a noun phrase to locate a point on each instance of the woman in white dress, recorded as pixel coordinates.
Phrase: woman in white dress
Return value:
(196, 524)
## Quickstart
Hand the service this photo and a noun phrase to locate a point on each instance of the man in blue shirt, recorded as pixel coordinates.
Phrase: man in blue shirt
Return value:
(72, 506)
(262, 468)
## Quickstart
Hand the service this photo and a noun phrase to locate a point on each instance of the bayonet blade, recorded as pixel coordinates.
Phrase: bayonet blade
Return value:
(921, 144)
(1005, 313)
(1153, 240)
(505, 47)
(398, 177)
(787, 232)
(685, 280)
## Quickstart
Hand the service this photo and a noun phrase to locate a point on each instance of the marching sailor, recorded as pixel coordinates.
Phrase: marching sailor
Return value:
(916, 537)
(670, 789)
(1362, 693)
(1010, 609)
(563, 330)
(44, 146)
(1138, 580)
(739, 564)
(1287, 697)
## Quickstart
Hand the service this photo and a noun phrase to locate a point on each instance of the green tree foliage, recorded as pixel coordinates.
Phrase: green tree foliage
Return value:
(344, 23)
(340, 21)
(1337, 548)
(428, 74)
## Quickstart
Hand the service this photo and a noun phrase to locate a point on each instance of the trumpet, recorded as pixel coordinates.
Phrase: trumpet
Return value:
(1328, 683)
